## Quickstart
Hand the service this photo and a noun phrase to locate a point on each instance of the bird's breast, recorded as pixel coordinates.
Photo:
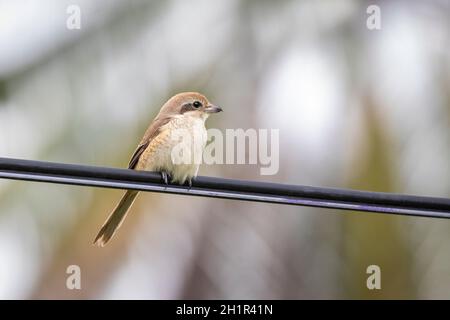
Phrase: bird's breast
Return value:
(178, 148)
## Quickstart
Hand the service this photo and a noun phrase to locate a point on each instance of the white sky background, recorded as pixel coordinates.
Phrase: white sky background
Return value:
(305, 93)
(30, 29)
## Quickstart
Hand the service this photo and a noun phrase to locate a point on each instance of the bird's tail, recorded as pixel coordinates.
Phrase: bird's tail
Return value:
(116, 218)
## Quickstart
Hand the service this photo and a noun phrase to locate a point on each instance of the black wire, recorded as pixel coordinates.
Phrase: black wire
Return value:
(226, 188)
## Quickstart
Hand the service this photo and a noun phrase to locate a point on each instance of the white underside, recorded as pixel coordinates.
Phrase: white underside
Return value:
(190, 136)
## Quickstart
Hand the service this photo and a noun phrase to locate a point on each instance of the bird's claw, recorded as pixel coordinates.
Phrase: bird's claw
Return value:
(165, 177)
(189, 182)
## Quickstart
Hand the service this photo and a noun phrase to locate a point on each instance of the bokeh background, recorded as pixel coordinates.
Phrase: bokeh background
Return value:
(356, 108)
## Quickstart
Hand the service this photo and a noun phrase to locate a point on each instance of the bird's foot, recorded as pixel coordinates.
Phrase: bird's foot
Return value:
(165, 177)
(189, 182)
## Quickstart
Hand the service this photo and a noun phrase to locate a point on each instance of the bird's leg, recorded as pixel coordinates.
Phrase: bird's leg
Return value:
(189, 181)
(165, 177)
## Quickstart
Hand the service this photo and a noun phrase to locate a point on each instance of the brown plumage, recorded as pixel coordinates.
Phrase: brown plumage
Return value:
(187, 111)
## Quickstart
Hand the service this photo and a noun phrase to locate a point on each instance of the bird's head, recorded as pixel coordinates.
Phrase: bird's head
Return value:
(190, 104)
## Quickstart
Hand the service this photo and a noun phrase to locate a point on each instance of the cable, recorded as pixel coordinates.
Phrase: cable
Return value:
(226, 188)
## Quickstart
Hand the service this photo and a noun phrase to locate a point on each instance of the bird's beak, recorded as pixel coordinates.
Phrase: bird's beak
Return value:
(213, 109)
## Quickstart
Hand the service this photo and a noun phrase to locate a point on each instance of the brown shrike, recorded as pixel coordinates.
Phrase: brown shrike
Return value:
(184, 114)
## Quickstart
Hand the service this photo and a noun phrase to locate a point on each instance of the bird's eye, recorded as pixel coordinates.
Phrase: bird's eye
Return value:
(197, 104)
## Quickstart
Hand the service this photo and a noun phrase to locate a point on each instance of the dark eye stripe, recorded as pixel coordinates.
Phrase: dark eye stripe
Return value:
(191, 106)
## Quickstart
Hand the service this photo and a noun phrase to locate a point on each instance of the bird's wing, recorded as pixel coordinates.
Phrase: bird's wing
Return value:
(150, 134)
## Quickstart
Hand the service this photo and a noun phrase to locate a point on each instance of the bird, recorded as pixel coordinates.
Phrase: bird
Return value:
(182, 116)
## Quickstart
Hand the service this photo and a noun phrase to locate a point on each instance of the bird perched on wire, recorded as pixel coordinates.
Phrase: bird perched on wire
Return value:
(183, 118)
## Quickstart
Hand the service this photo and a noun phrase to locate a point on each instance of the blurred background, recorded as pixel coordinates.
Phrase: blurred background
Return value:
(356, 108)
